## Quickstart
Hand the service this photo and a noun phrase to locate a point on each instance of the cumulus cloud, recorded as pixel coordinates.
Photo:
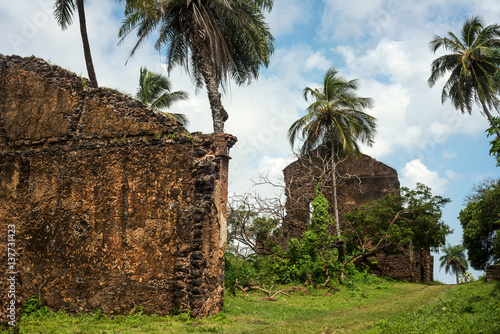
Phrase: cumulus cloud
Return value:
(317, 60)
(416, 172)
(274, 166)
(287, 14)
(409, 113)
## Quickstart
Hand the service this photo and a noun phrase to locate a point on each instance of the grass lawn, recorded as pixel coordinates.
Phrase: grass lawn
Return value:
(376, 307)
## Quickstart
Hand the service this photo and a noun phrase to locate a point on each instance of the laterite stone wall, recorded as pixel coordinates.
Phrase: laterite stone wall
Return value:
(104, 203)
(493, 273)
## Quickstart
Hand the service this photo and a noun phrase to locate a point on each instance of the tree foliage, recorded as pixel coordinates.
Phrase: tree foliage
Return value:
(247, 230)
(215, 40)
(335, 117)
(454, 260)
(395, 221)
(472, 64)
(314, 257)
(495, 142)
(155, 91)
(481, 227)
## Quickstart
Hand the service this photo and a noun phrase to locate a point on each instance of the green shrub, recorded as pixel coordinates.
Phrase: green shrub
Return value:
(239, 269)
(35, 307)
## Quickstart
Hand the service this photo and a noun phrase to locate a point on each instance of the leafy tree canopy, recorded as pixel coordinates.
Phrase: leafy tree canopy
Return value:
(472, 62)
(495, 142)
(396, 220)
(481, 225)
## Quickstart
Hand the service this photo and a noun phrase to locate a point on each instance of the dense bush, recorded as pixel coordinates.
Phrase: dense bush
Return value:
(311, 260)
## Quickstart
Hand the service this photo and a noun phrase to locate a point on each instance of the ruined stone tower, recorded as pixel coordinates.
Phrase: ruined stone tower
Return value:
(104, 203)
(359, 181)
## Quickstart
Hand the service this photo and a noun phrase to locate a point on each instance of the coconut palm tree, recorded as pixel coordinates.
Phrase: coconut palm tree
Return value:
(335, 119)
(472, 63)
(155, 91)
(214, 40)
(453, 260)
(63, 12)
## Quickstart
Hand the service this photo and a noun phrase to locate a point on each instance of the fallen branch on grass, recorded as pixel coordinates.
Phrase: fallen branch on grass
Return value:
(270, 293)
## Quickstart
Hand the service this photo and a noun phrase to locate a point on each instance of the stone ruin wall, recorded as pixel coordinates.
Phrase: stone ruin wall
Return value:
(109, 205)
(493, 273)
(359, 182)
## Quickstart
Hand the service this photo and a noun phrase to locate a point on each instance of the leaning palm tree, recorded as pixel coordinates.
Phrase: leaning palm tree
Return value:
(63, 12)
(336, 120)
(454, 260)
(155, 91)
(472, 63)
(213, 39)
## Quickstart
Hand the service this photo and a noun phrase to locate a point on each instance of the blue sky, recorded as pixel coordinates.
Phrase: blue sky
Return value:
(384, 43)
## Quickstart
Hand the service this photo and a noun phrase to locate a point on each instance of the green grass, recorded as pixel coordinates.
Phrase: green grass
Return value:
(467, 308)
(373, 306)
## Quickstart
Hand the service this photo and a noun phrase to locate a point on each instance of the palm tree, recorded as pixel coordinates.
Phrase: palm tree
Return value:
(335, 119)
(473, 60)
(155, 92)
(63, 13)
(214, 40)
(453, 260)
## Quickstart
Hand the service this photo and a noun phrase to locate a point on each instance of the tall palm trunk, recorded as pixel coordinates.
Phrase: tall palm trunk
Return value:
(219, 114)
(335, 204)
(335, 201)
(86, 45)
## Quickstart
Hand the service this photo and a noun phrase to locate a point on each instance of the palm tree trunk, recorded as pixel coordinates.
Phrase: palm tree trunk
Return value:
(335, 202)
(219, 114)
(336, 207)
(86, 45)
(490, 118)
(456, 273)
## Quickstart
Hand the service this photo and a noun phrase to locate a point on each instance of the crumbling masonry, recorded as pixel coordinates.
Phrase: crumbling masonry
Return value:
(359, 182)
(104, 203)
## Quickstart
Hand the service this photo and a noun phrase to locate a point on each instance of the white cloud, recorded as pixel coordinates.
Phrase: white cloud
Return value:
(286, 14)
(409, 113)
(273, 167)
(317, 60)
(416, 172)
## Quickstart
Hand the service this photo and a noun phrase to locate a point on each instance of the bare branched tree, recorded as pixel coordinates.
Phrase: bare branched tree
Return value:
(254, 221)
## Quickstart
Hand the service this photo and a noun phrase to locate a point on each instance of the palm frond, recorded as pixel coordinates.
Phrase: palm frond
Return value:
(155, 91)
(334, 118)
(63, 12)
(472, 65)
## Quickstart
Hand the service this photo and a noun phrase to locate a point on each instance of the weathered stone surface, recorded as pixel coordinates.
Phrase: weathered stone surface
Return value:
(113, 205)
(359, 181)
(493, 273)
